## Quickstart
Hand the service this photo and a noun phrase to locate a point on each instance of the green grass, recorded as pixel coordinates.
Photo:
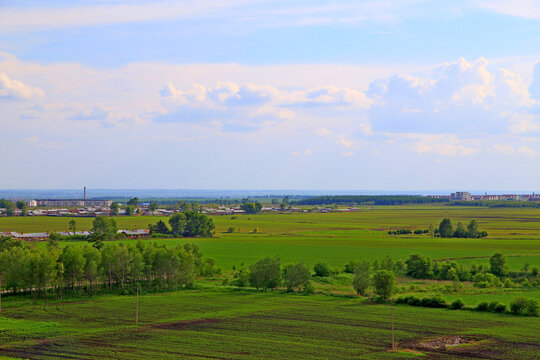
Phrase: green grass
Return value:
(223, 323)
(337, 238)
(229, 324)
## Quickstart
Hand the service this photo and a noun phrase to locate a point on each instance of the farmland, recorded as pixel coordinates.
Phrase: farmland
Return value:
(250, 325)
(217, 320)
(340, 237)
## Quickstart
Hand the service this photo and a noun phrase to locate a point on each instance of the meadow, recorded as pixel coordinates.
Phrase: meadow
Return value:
(219, 321)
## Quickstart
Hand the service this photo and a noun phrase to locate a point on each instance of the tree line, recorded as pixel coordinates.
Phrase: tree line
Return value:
(369, 200)
(54, 271)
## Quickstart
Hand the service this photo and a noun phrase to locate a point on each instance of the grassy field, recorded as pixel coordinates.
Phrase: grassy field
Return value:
(227, 324)
(222, 323)
(337, 238)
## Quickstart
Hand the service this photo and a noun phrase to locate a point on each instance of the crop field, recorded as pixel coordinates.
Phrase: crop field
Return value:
(337, 238)
(228, 324)
(218, 321)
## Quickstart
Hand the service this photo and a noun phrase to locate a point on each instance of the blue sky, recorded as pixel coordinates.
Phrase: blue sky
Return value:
(385, 95)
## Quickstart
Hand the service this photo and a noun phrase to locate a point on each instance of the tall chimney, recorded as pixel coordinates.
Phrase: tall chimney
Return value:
(85, 193)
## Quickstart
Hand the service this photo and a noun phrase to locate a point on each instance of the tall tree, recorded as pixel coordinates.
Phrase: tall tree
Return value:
(133, 201)
(296, 276)
(498, 265)
(21, 205)
(384, 283)
(115, 209)
(472, 229)
(361, 280)
(265, 274)
(103, 229)
(446, 229)
(73, 225)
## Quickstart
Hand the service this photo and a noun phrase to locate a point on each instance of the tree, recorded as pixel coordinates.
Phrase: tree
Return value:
(21, 205)
(115, 209)
(183, 206)
(419, 267)
(460, 231)
(178, 224)
(251, 208)
(159, 228)
(361, 278)
(265, 274)
(384, 283)
(130, 210)
(133, 201)
(10, 208)
(472, 229)
(497, 265)
(198, 224)
(72, 225)
(296, 276)
(103, 229)
(445, 228)
(153, 206)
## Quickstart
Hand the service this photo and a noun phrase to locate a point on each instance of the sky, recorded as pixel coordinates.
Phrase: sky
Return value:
(404, 95)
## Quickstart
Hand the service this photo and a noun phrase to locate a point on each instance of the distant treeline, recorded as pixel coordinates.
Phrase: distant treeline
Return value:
(498, 204)
(369, 200)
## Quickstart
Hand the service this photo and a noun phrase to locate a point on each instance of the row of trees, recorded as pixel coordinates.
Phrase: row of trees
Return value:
(187, 224)
(50, 270)
(447, 230)
(10, 207)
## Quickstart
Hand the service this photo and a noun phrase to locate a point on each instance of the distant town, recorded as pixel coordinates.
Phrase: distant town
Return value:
(467, 196)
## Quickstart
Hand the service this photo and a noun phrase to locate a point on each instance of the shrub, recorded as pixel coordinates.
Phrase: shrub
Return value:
(457, 304)
(308, 288)
(483, 306)
(531, 308)
(321, 269)
(256, 230)
(434, 302)
(231, 229)
(518, 305)
(496, 306)
(414, 301)
(508, 283)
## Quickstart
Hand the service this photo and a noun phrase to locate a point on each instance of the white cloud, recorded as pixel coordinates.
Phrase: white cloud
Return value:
(347, 144)
(438, 144)
(348, 154)
(529, 9)
(457, 97)
(14, 89)
(323, 132)
(527, 151)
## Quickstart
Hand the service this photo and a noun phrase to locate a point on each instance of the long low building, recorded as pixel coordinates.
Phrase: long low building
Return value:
(132, 234)
(72, 202)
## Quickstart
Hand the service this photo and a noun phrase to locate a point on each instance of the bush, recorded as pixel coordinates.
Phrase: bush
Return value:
(457, 304)
(321, 269)
(256, 230)
(483, 306)
(496, 306)
(308, 288)
(518, 305)
(231, 229)
(531, 308)
(434, 302)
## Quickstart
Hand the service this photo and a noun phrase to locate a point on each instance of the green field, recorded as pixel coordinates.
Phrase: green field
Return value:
(248, 325)
(220, 322)
(340, 237)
